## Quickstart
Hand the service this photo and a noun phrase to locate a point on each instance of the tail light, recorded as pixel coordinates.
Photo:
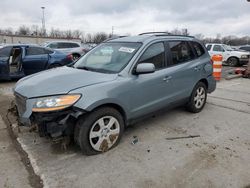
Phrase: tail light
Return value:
(69, 57)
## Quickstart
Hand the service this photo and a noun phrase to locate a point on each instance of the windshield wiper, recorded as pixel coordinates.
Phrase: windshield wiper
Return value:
(95, 69)
(87, 68)
(83, 68)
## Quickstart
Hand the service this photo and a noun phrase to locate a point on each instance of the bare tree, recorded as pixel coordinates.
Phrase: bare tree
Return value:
(199, 36)
(23, 30)
(88, 38)
(34, 30)
(99, 37)
(68, 34)
(77, 34)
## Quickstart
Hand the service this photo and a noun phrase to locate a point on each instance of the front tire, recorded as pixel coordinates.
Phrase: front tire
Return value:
(198, 98)
(233, 62)
(99, 131)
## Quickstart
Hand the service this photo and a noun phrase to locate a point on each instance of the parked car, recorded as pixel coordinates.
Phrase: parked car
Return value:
(231, 56)
(100, 95)
(67, 47)
(20, 60)
(88, 46)
(245, 48)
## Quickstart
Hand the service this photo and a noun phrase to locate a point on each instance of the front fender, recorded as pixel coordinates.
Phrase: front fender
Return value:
(101, 94)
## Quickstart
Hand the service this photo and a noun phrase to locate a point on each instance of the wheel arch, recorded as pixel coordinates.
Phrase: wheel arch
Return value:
(233, 57)
(76, 53)
(203, 80)
(115, 106)
(50, 65)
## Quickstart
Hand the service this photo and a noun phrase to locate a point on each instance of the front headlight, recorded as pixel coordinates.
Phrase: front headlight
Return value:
(244, 56)
(53, 103)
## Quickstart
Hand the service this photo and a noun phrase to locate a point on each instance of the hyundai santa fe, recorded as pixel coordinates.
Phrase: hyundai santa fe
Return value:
(116, 83)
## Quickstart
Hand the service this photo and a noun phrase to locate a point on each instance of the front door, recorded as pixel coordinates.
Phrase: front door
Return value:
(150, 92)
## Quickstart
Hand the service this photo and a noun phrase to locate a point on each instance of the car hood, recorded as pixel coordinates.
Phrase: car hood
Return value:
(59, 81)
(238, 52)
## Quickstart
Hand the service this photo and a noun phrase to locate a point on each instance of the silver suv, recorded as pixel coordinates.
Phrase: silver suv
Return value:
(67, 47)
(115, 84)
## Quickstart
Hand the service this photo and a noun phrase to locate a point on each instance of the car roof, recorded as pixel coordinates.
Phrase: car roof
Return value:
(22, 45)
(147, 37)
(48, 42)
(216, 44)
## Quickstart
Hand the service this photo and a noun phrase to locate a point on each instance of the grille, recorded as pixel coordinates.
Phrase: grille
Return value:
(20, 103)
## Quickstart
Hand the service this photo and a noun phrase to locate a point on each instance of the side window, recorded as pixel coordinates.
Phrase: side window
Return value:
(198, 48)
(48, 51)
(181, 52)
(53, 45)
(66, 45)
(74, 45)
(35, 51)
(218, 48)
(60, 45)
(5, 51)
(209, 47)
(245, 48)
(154, 54)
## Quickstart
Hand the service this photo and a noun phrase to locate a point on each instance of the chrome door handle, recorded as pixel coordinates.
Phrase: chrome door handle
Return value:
(196, 68)
(167, 78)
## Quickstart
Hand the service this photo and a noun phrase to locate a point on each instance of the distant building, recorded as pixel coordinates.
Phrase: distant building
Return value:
(23, 39)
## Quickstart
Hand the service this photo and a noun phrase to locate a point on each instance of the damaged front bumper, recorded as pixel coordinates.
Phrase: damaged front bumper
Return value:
(54, 124)
(58, 123)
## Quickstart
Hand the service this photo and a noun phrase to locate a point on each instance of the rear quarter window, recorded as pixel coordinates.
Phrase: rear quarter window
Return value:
(209, 47)
(181, 52)
(199, 50)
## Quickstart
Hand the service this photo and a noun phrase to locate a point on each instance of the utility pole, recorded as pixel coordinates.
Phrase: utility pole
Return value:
(43, 22)
(112, 32)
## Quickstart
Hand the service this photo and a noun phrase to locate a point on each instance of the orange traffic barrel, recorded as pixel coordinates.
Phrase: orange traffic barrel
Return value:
(217, 66)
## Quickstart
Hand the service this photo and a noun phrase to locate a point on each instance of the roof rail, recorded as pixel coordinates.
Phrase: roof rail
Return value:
(148, 33)
(116, 37)
(160, 34)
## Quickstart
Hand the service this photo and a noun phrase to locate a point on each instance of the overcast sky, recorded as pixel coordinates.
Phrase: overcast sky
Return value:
(228, 17)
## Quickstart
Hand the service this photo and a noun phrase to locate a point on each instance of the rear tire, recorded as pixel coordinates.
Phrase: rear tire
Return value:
(75, 57)
(54, 66)
(99, 131)
(198, 98)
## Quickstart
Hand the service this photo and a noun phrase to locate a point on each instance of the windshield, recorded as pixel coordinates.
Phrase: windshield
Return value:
(228, 48)
(108, 57)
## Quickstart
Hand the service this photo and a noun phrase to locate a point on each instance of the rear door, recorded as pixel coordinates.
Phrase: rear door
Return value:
(184, 69)
(35, 60)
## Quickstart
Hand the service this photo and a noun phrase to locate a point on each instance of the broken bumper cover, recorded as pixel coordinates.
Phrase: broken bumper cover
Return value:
(54, 124)
(57, 123)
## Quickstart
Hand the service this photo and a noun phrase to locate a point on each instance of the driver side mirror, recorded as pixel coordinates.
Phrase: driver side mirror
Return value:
(145, 68)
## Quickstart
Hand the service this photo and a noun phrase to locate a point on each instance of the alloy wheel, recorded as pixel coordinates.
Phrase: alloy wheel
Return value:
(104, 133)
(199, 98)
